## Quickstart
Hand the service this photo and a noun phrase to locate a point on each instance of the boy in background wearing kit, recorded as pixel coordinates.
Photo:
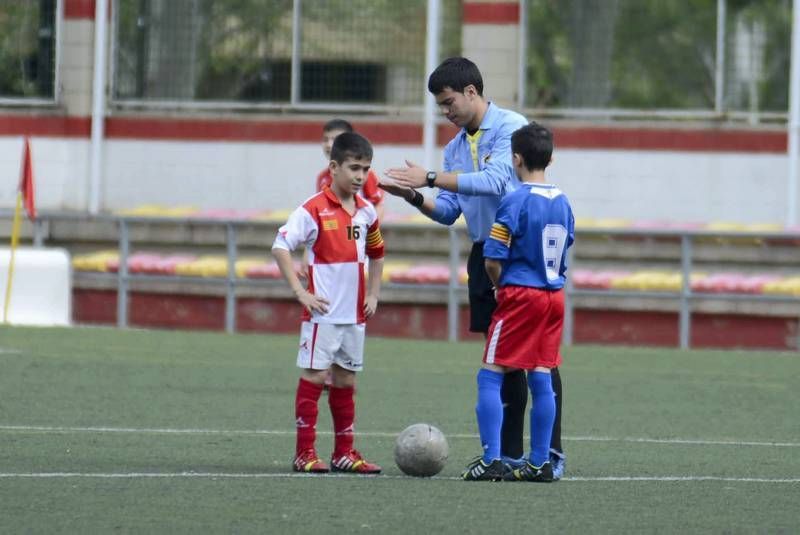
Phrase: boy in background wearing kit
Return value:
(370, 190)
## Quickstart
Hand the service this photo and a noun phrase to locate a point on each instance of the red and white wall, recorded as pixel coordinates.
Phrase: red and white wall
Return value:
(264, 162)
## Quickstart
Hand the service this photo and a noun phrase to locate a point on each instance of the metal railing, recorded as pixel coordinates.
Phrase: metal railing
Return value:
(685, 296)
(454, 290)
(231, 282)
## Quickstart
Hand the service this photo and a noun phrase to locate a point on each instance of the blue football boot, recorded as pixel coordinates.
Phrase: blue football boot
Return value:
(559, 463)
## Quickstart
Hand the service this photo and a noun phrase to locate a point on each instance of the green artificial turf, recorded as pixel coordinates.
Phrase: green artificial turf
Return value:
(162, 431)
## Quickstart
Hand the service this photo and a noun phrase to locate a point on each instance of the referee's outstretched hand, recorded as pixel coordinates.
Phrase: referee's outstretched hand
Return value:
(390, 186)
(411, 176)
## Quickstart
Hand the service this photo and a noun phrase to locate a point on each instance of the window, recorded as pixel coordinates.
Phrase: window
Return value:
(27, 49)
(226, 51)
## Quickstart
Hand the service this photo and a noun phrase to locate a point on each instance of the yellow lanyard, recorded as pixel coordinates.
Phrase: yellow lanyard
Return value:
(473, 148)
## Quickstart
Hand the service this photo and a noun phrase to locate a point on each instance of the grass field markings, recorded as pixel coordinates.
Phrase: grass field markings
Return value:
(9, 351)
(169, 431)
(684, 478)
(686, 441)
(380, 434)
(289, 475)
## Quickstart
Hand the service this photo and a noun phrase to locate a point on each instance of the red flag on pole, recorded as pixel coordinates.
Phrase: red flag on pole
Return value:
(26, 181)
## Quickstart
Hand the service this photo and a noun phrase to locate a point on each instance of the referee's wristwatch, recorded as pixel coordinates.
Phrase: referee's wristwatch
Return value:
(430, 177)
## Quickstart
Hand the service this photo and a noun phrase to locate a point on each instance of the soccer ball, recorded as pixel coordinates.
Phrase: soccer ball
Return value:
(421, 450)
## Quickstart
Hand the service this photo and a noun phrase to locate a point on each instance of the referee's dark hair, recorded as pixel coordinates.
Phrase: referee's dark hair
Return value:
(350, 145)
(455, 73)
(534, 143)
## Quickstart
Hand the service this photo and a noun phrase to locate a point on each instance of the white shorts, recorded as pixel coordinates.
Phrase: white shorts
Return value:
(324, 344)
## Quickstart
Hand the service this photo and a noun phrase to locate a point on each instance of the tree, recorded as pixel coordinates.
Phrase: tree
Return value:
(647, 54)
(358, 50)
(591, 34)
(195, 49)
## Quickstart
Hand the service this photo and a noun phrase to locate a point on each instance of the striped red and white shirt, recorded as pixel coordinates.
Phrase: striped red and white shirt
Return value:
(338, 245)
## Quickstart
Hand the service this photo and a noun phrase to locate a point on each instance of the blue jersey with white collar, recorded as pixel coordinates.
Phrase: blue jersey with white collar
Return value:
(533, 228)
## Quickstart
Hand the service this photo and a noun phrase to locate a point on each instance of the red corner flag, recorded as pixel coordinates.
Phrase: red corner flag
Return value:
(26, 181)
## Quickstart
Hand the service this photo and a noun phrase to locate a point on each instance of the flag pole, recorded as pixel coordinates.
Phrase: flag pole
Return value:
(25, 196)
(14, 242)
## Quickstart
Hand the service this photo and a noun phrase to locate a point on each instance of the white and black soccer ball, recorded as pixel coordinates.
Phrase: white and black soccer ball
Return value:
(421, 450)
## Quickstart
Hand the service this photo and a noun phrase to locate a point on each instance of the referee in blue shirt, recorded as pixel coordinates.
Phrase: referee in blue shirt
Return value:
(477, 174)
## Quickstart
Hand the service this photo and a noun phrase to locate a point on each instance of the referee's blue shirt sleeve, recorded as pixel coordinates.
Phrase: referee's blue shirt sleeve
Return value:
(446, 207)
(493, 179)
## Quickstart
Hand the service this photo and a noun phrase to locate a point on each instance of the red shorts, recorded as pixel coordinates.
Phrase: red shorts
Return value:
(526, 328)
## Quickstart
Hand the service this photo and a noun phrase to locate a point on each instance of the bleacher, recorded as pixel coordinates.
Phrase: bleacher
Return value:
(216, 266)
(625, 279)
(736, 258)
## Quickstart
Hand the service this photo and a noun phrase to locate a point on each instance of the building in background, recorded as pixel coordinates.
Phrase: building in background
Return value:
(218, 104)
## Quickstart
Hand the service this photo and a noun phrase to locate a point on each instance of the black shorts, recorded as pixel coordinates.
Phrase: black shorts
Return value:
(481, 292)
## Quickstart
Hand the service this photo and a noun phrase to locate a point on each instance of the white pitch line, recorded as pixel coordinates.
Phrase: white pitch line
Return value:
(685, 478)
(157, 430)
(283, 432)
(700, 442)
(234, 475)
(133, 475)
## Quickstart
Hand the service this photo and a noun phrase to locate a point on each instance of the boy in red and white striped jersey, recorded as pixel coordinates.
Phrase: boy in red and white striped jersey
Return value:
(340, 231)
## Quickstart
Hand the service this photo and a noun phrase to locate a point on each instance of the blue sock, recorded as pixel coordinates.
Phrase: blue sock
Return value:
(543, 415)
(490, 412)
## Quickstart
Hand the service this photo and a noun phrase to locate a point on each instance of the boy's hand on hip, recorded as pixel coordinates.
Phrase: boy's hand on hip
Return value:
(312, 303)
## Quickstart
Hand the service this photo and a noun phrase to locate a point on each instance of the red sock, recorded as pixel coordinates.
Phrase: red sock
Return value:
(343, 411)
(305, 412)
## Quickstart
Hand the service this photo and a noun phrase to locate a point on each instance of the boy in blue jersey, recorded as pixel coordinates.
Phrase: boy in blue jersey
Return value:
(526, 259)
